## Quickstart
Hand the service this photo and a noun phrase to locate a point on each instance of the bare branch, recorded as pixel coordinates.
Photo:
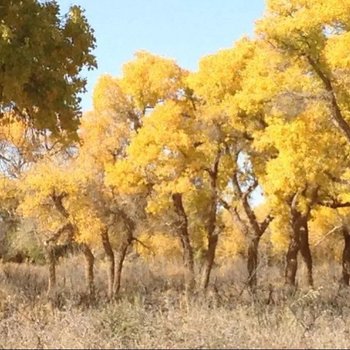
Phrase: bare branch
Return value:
(224, 204)
(5, 158)
(265, 224)
(250, 189)
(294, 200)
(67, 227)
(334, 229)
(144, 245)
(57, 199)
(335, 204)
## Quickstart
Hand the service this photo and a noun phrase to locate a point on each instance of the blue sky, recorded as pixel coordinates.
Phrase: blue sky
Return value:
(184, 30)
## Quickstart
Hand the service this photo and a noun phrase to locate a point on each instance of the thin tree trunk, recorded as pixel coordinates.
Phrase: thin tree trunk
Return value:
(252, 262)
(209, 261)
(111, 262)
(294, 244)
(89, 270)
(212, 233)
(212, 240)
(305, 250)
(51, 261)
(346, 257)
(120, 257)
(185, 240)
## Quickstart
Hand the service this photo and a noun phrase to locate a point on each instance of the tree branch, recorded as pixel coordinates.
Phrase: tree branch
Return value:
(227, 206)
(265, 224)
(57, 199)
(59, 232)
(250, 189)
(335, 204)
(338, 118)
(134, 239)
(334, 229)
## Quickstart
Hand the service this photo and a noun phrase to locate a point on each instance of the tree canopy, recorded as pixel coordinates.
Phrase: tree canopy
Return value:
(42, 55)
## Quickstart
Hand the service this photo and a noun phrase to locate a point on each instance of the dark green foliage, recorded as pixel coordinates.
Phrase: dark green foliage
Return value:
(41, 58)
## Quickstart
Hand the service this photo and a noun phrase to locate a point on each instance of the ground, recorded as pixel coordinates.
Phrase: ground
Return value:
(153, 310)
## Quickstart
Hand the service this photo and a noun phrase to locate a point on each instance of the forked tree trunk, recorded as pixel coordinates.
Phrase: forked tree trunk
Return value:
(51, 261)
(185, 240)
(89, 268)
(299, 240)
(110, 260)
(305, 250)
(121, 254)
(252, 228)
(346, 257)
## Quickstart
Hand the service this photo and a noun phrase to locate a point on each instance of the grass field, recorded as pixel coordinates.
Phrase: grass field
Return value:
(153, 310)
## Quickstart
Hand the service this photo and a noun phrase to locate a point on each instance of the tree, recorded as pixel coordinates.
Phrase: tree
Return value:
(311, 34)
(20, 148)
(57, 205)
(42, 55)
(120, 105)
(315, 33)
(328, 227)
(157, 169)
(306, 154)
(220, 91)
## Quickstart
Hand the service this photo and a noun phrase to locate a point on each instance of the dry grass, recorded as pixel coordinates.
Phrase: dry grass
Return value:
(153, 311)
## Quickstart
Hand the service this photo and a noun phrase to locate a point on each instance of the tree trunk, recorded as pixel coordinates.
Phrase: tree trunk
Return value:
(292, 259)
(120, 257)
(252, 229)
(51, 261)
(209, 261)
(89, 270)
(298, 240)
(110, 260)
(212, 233)
(346, 257)
(50, 254)
(212, 238)
(188, 261)
(252, 262)
(305, 249)
(185, 240)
